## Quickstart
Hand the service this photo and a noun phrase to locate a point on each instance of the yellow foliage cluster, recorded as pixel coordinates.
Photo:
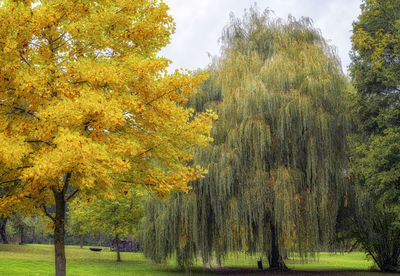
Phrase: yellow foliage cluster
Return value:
(377, 43)
(82, 91)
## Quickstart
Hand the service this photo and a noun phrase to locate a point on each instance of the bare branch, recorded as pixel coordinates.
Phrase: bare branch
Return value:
(72, 194)
(146, 151)
(23, 111)
(18, 168)
(46, 212)
(9, 181)
(38, 141)
(66, 179)
(36, 45)
(61, 44)
(138, 183)
(159, 97)
(79, 82)
(23, 167)
(24, 60)
(61, 36)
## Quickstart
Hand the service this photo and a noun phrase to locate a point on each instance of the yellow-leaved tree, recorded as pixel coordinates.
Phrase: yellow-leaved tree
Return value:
(87, 106)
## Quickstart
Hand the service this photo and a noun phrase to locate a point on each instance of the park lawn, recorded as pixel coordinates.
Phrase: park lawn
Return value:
(344, 264)
(321, 261)
(27, 260)
(32, 260)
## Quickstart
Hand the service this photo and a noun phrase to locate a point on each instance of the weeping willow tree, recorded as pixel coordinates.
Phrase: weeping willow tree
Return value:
(276, 167)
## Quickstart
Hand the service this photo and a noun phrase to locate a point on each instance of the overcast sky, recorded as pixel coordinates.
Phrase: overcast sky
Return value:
(199, 24)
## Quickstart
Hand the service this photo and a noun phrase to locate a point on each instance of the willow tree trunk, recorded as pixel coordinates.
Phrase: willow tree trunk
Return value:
(59, 233)
(275, 258)
(3, 223)
(117, 241)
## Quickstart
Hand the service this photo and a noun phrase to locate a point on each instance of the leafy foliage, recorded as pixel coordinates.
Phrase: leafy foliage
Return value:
(376, 166)
(116, 217)
(375, 148)
(86, 103)
(83, 92)
(375, 66)
(29, 229)
(376, 231)
(375, 220)
(276, 165)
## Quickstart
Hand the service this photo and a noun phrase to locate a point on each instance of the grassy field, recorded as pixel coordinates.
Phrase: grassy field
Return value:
(38, 260)
(26, 260)
(323, 261)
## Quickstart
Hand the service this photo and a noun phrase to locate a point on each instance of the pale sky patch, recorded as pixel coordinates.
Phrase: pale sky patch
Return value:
(199, 25)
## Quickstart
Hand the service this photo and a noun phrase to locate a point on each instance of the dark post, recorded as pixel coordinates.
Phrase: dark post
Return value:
(260, 266)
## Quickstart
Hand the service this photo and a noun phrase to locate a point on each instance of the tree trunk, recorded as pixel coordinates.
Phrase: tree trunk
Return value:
(3, 223)
(117, 242)
(274, 258)
(99, 240)
(81, 241)
(59, 233)
(21, 234)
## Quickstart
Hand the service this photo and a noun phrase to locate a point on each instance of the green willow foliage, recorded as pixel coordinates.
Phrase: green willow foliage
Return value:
(276, 166)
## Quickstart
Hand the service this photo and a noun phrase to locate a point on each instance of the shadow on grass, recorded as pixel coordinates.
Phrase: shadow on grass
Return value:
(107, 261)
(192, 272)
(247, 271)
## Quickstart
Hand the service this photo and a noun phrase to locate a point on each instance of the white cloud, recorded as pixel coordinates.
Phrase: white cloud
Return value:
(199, 24)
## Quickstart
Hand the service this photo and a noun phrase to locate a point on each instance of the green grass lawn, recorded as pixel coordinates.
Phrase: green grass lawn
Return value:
(322, 261)
(18, 260)
(39, 260)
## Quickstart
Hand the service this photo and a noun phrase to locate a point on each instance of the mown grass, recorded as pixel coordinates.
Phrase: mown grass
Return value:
(27, 260)
(32, 260)
(324, 263)
(321, 261)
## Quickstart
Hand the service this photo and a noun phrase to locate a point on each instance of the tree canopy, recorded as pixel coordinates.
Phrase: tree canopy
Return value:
(87, 106)
(277, 163)
(375, 70)
(375, 148)
(118, 217)
(375, 67)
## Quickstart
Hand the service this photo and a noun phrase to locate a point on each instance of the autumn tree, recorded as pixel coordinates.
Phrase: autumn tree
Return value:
(86, 105)
(118, 217)
(276, 166)
(375, 147)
